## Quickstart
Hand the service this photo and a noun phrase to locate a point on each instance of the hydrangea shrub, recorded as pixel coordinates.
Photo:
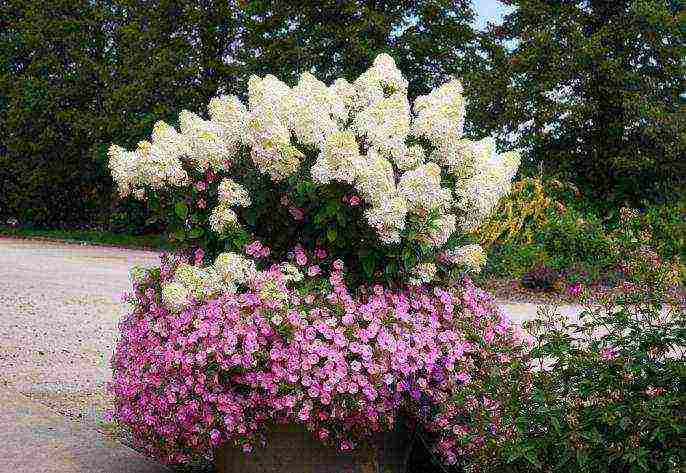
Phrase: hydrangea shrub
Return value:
(385, 185)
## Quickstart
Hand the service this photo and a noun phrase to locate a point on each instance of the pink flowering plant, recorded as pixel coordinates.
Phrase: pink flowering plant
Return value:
(300, 348)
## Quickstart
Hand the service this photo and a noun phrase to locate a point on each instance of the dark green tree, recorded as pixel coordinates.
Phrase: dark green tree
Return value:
(429, 39)
(593, 89)
(51, 84)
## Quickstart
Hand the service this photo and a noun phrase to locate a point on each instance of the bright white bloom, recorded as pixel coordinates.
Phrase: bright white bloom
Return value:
(412, 157)
(386, 125)
(388, 218)
(472, 257)
(235, 268)
(376, 181)
(440, 114)
(205, 144)
(232, 116)
(123, 167)
(175, 296)
(233, 194)
(421, 188)
(276, 159)
(423, 273)
(464, 157)
(339, 159)
(223, 218)
(270, 95)
(477, 195)
(310, 119)
(291, 272)
(342, 100)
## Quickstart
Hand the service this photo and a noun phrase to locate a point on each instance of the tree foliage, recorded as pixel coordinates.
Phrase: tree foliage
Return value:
(77, 75)
(593, 89)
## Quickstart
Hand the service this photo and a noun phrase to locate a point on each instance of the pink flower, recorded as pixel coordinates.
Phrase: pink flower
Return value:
(464, 377)
(296, 213)
(313, 270)
(199, 256)
(354, 201)
(608, 353)
(200, 186)
(201, 203)
(301, 259)
(338, 265)
(320, 253)
(574, 290)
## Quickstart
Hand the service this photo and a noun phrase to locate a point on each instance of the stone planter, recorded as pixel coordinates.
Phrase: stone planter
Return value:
(292, 449)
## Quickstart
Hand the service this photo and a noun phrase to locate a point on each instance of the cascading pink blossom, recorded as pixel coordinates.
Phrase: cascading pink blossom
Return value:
(343, 365)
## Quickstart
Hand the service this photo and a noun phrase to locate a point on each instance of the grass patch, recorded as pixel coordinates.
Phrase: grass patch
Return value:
(91, 236)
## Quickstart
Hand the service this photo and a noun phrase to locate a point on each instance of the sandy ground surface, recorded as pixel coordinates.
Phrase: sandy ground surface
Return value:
(59, 312)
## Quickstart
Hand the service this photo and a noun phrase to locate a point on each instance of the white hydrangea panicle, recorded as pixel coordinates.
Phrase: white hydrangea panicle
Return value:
(386, 125)
(234, 268)
(276, 159)
(376, 181)
(291, 273)
(232, 116)
(223, 218)
(171, 142)
(310, 119)
(439, 115)
(233, 194)
(477, 195)
(463, 157)
(421, 188)
(206, 147)
(412, 157)
(471, 257)
(423, 273)
(175, 296)
(387, 217)
(124, 169)
(270, 95)
(342, 100)
(339, 159)
(389, 75)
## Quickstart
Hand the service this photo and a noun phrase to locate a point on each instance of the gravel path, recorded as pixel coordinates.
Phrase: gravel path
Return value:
(59, 314)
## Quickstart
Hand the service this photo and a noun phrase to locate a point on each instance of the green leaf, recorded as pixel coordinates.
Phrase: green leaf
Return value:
(331, 234)
(196, 233)
(181, 210)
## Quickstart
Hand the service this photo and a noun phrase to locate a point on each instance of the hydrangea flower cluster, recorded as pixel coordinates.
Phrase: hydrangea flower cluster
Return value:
(194, 370)
(414, 176)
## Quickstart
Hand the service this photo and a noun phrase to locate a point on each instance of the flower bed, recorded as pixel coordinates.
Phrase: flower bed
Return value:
(320, 277)
(219, 370)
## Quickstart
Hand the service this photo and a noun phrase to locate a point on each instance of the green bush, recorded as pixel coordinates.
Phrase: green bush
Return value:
(610, 391)
(584, 247)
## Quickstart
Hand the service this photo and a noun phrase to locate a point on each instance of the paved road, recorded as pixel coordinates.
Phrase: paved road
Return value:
(58, 324)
